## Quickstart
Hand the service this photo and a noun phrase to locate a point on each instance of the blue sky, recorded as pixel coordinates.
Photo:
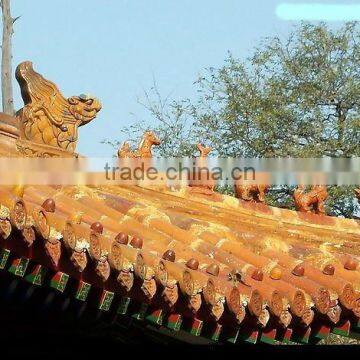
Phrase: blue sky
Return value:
(115, 48)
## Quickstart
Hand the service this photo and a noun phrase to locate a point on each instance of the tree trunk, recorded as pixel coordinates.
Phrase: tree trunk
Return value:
(6, 60)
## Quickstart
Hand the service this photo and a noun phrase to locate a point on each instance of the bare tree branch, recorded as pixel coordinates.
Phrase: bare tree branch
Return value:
(15, 19)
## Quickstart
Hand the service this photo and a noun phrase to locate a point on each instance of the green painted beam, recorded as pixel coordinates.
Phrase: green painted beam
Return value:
(249, 336)
(123, 306)
(232, 335)
(82, 291)
(106, 299)
(18, 266)
(301, 335)
(140, 313)
(4, 257)
(343, 329)
(37, 275)
(267, 336)
(215, 332)
(174, 322)
(59, 281)
(194, 326)
(155, 316)
(286, 336)
(320, 332)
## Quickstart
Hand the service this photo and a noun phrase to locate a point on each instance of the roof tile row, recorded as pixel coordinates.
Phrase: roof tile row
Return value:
(209, 262)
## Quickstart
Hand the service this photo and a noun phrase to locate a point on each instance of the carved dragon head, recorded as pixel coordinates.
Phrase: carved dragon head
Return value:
(84, 107)
(48, 118)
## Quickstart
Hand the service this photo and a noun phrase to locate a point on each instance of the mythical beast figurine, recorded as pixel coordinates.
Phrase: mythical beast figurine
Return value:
(148, 140)
(204, 151)
(246, 190)
(201, 180)
(48, 123)
(311, 201)
(252, 192)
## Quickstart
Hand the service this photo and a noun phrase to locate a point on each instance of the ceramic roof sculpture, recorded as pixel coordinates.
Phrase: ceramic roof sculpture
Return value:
(210, 264)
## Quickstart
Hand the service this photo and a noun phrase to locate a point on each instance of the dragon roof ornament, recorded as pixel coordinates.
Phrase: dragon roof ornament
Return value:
(48, 123)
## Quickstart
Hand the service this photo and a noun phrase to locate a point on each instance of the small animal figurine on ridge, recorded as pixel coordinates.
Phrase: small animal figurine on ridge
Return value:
(201, 181)
(148, 140)
(311, 201)
(247, 191)
(253, 192)
(204, 151)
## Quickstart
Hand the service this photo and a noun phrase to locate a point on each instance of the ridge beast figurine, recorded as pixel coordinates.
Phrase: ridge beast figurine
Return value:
(148, 140)
(311, 201)
(247, 191)
(253, 193)
(201, 180)
(204, 151)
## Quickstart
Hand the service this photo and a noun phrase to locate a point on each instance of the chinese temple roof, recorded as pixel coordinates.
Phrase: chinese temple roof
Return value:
(212, 265)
